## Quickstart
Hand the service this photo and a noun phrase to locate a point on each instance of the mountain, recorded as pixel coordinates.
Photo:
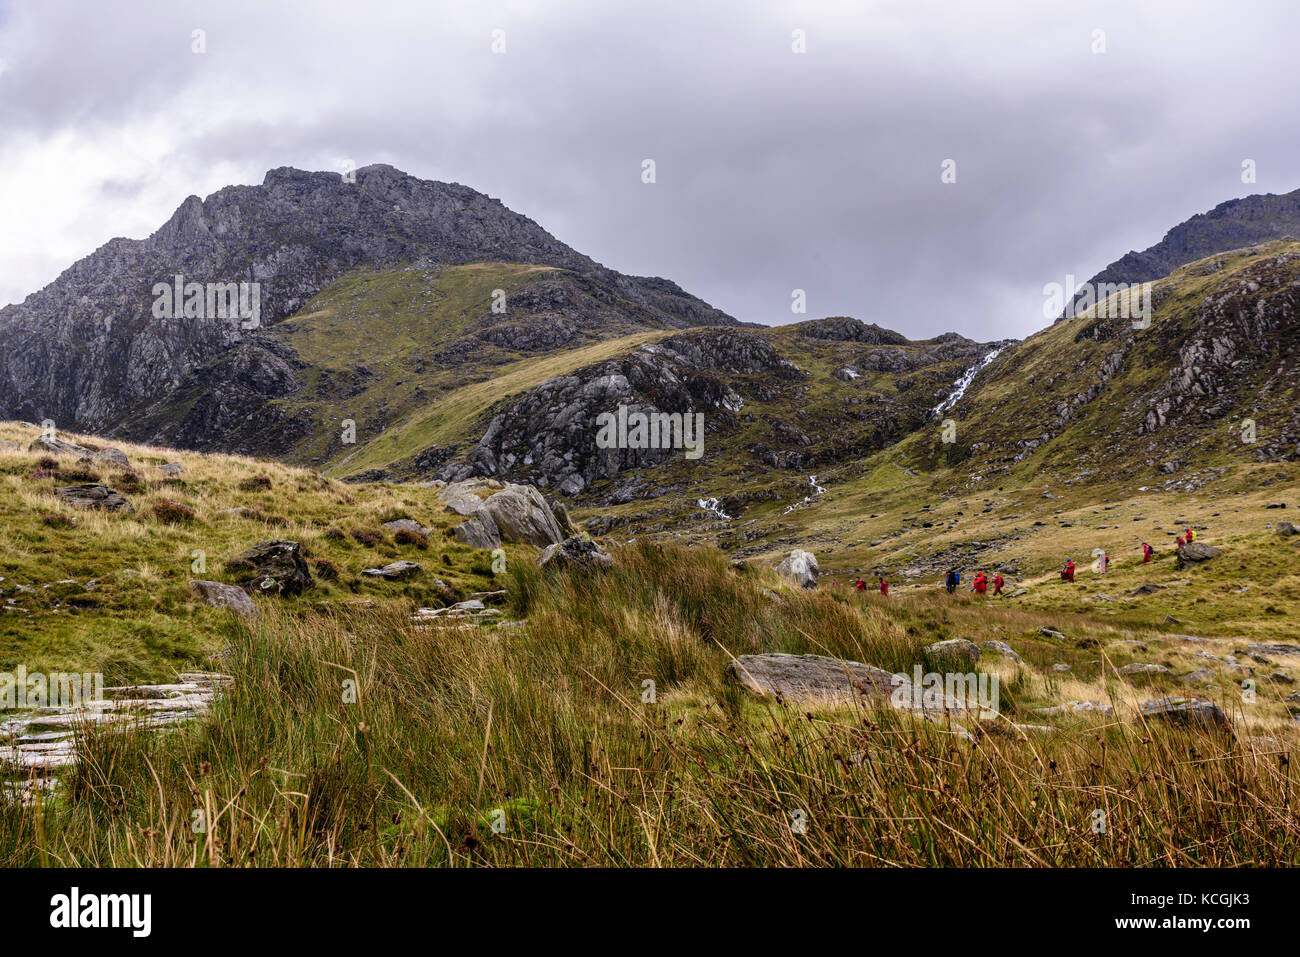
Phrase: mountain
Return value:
(1234, 224)
(88, 351)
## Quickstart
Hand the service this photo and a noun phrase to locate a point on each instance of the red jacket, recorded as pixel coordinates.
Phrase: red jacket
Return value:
(884, 587)
(981, 583)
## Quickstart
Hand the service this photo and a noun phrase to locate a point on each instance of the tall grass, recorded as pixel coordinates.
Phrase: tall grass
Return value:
(543, 731)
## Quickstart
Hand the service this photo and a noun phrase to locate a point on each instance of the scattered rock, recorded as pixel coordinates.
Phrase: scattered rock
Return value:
(955, 647)
(53, 446)
(278, 568)
(800, 567)
(1142, 668)
(1002, 648)
(1061, 667)
(1201, 676)
(1078, 707)
(1285, 529)
(94, 496)
(112, 457)
(225, 596)
(1051, 633)
(574, 551)
(1190, 712)
(172, 469)
(395, 571)
(1146, 588)
(1282, 650)
(406, 525)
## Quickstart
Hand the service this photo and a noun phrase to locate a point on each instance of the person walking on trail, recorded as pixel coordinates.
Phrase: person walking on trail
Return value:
(997, 584)
(860, 585)
(1068, 571)
(951, 581)
(1181, 541)
(1103, 563)
(1146, 553)
(980, 584)
(884, 587)
(1190, 533)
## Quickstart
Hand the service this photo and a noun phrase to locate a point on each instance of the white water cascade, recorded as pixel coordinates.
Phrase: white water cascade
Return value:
(967, 377)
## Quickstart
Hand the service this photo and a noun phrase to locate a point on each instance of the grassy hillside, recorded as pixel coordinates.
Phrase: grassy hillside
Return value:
(109, 592)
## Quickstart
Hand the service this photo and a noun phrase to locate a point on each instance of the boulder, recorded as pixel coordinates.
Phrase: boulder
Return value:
(814, 679)
(1002, 648)
(478, 531)
(94, 496)
(395, 571)
(279, 568)
(171, 468)
(955, 648)
(1078, 707)
(1142, 668)
(1195, 552)
(577, 552)
(111, 457)
(52, 446)
(1051, 633)
(1257, 649)
(800, 567)
(460, 497)
(1188, 712)
(1201, 676)
(522, 515)
(1146, 588)
(406, 525)
(225, 596)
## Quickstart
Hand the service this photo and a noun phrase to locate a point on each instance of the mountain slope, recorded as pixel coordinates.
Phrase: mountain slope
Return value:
(1234, 224)
(87, 351)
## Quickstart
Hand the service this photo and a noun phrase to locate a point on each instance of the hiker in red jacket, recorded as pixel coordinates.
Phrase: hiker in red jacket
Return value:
(860, 585)
(1146, 553)
(997, 584)
(980, 584)
(1190, 533)
(1068, 572)
(1181, 541)
(884, 587)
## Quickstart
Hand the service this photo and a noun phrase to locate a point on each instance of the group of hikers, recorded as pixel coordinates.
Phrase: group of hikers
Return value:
(980, 583)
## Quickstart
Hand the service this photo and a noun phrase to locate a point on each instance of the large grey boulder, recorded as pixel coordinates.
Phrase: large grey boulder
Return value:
(52, 446)
(816, 679)
(521, 514)
(1194, 553)
(1142, 668)
(1002, 648)
(800, 567)
(478, 531)
(1187, 712)
(279, 568)
(111, 457)
(1285, 529)
(575, 552)
(94, 496)
(219, 595)
(461, 497)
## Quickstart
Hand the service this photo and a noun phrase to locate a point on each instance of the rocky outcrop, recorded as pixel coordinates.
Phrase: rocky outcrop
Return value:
(800, 567)
(549, 435)
(278, 568)
(99, 497)
(513, 513)
(955, 648)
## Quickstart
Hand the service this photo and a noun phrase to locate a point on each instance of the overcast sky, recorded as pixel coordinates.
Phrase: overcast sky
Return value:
(776, 170)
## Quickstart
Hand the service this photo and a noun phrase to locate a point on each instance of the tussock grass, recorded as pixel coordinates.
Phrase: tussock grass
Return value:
(544, 728)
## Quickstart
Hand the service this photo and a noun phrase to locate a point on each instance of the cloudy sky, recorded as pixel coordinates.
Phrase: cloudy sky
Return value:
(775, 170)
